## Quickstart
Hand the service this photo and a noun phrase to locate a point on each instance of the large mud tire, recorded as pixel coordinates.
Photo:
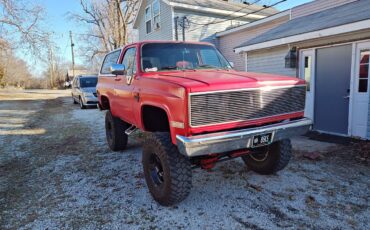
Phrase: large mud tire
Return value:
(115, 132)
(270, 159)
(167, 173)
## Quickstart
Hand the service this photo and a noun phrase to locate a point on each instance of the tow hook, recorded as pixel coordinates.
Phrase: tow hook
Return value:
(130, 130)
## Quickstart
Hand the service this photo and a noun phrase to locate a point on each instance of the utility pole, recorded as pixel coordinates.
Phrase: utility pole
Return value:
(73, 55)
(51, 65)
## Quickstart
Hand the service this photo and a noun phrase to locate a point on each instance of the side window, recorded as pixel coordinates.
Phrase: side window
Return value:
(109, 60)
(308, 71)
(363, 77)
(148, 19)
(129, 60)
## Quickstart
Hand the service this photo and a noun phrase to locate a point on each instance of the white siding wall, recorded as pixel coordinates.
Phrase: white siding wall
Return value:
(316, 6)
(165, 32)
(228, 42)
(270, 61)
(199, 32)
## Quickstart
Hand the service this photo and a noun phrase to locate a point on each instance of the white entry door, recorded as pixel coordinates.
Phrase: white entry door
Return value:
(360, 100)
(307, 72)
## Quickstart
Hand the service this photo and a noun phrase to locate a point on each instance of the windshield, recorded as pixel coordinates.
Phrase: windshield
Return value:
(180, 56)
(88, 82)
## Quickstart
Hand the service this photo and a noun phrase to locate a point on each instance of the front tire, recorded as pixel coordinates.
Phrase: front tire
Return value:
(167, 172)
(270, 159)
(115, 132)
(82, 106)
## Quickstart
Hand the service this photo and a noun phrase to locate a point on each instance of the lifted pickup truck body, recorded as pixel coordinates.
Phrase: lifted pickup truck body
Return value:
(209, 111)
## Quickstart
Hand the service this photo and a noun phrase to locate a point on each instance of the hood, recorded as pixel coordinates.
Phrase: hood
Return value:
(89, 90)
(212, 80)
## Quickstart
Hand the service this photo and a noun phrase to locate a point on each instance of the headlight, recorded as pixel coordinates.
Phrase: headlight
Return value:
(88, 94)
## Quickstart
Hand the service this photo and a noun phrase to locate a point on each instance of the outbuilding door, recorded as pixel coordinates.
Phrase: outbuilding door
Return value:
(332, 89)
(360, 101)
(307, 72)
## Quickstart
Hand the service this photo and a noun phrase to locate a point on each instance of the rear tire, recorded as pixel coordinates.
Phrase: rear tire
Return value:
(74, 101)
(270, 159)
(167, 172)
(115, 132)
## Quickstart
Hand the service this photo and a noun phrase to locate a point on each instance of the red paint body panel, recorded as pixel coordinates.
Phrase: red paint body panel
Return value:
(169, 91)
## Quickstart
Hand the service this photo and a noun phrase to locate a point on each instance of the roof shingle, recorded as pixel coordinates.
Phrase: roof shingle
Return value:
(341, 15)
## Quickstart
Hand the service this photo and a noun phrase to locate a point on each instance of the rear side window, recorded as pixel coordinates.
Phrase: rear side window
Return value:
(109, 60)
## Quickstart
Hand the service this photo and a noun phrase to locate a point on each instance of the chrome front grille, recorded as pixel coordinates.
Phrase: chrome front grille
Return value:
(243, 105)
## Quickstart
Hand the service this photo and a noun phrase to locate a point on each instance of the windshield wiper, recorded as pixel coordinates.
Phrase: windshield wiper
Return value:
(169, 67)
(208, 66)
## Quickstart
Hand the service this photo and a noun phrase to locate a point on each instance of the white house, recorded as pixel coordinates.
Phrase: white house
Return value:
(193, 20)
(330, 42)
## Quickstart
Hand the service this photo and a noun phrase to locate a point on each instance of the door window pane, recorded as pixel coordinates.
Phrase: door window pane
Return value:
(109, 60)
(364, 57)
(362, 86)
(129, 61)
(308, 71)
(363, 71)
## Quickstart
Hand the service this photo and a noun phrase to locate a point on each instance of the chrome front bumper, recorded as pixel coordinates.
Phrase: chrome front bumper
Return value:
(239, 139)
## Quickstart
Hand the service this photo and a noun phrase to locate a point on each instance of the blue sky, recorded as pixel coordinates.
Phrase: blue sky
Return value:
(57, 21)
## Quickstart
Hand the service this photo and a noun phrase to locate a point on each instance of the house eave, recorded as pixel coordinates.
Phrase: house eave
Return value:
(215, 11)
(135, 25)
(347, 28)
(255, 23)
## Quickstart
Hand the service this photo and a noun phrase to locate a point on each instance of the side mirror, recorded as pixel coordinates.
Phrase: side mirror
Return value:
(231, 64)
(118, 69)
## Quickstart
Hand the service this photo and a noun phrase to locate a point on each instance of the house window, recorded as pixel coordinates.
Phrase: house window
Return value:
(148, 19)
(363, 77)
(307, 71)
(156, 13)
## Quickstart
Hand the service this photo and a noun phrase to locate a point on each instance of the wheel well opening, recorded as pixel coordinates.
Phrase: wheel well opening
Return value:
(155, 119)
(105, 103)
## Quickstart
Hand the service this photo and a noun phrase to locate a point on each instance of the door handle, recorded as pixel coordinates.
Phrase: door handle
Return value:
(346, 97)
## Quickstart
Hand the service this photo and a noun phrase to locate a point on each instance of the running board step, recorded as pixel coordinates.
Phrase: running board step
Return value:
(130, 130)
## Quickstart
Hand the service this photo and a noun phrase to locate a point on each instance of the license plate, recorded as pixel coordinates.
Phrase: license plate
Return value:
(261, 140)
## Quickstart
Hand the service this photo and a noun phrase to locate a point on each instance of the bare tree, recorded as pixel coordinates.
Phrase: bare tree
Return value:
(20, 24)
(108, 24)
(13, 71)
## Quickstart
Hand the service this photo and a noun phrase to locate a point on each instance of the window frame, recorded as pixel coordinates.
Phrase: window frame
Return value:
(156, 15)
(359, 78)
(150, 19)
(134, 67)
(105, 58)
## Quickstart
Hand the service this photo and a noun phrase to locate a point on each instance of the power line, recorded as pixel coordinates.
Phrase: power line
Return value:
(242, 8)
(241, 16)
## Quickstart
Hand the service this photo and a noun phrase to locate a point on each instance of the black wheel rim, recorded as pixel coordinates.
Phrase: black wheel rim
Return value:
(156, 170)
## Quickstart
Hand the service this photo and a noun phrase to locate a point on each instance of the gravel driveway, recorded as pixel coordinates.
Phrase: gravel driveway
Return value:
(56, 172)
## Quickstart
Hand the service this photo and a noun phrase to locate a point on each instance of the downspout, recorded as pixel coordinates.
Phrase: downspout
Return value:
(176, 19)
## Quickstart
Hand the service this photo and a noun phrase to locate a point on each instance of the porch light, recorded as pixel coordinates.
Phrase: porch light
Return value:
(291, 58)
